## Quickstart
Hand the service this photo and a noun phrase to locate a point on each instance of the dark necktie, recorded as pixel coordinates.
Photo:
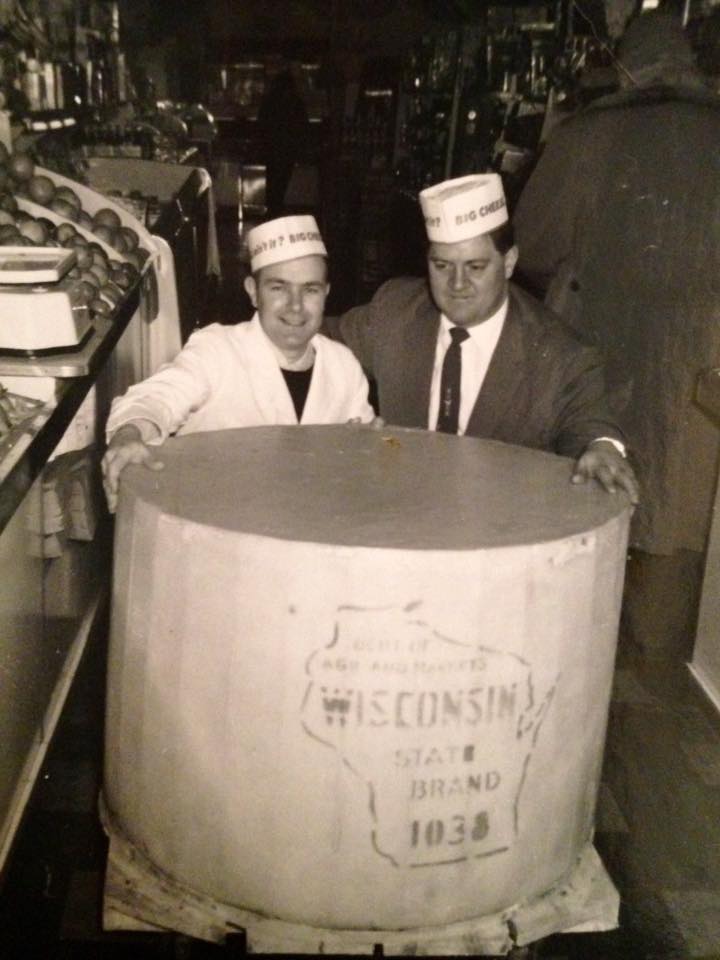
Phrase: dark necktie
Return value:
(450, 383)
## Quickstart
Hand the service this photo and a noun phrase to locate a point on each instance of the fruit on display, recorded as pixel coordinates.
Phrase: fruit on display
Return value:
(41, 190)
(110, 253)
(20, 167)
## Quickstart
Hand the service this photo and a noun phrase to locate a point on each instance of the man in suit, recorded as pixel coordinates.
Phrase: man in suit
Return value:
(275, 369)
(524, 377)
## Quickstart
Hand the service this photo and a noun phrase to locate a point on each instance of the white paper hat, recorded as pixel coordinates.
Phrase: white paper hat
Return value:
(463, 208)
(285, 238)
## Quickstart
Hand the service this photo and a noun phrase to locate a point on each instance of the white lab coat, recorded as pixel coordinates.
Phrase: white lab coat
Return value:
(229, 376)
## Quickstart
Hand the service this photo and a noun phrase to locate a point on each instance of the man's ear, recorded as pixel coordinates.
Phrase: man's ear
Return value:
(251, 288)
(511, 259)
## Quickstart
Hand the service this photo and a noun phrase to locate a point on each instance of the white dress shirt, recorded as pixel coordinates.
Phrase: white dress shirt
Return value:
(476, 352)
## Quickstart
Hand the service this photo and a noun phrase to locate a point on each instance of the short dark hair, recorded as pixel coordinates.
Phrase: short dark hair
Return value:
(503, 237)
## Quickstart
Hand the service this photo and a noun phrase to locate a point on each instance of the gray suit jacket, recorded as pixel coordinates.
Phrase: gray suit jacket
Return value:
(543, 389)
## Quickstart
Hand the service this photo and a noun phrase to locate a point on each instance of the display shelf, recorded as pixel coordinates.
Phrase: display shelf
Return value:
(55, 560)
(185, 225)
(45, 435)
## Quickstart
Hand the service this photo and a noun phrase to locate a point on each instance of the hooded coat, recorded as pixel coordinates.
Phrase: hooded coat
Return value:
(619, 228)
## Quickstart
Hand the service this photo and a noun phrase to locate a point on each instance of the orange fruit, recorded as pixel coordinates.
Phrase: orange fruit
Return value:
(111, 292)
(121, 278)
(63, 208)
(133, 257)
(131, 237)
(105, 233)
(119, 242)
(84, 257)
(89, 277)
(69, 196)
(86, 291)
(107, 218)
(101, 273)
(33, 230)
(64, 232)
(8, 234)
(8, 202)
(41, 189)
(99, 255)
(101, 307)
(21, 166)
(130, 271)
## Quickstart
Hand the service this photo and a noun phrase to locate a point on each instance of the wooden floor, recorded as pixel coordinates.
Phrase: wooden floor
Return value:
(658, 822)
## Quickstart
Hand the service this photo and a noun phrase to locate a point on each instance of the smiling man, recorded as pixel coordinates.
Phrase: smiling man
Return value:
(467, 352)
(275, 369)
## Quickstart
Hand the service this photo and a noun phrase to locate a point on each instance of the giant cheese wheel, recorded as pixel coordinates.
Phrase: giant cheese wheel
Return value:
(360, 679)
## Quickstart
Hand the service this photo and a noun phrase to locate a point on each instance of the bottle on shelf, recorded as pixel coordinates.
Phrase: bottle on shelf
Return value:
(117, 68)
(31, 84)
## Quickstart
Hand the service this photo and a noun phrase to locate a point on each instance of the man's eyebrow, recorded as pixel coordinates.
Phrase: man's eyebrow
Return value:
(303, 283)
(439, 259)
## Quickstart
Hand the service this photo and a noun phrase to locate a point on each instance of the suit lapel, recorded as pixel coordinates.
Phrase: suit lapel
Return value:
(503, 378)
(422, 335)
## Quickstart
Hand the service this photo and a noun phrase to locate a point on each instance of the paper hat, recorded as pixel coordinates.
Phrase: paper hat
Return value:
(286, 238)
(463, 208)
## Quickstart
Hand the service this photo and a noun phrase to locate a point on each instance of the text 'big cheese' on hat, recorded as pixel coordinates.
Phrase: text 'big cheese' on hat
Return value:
(465, 207)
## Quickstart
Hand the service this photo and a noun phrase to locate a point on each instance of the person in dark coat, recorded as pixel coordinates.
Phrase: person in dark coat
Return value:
(283, 123)
(525, 378)
(619, 228)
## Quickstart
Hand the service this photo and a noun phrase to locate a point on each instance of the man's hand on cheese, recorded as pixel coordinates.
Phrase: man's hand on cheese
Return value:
(126, 446)
(603, 462)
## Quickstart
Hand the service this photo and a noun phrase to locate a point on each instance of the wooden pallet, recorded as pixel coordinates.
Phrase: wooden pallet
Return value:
(138, 896)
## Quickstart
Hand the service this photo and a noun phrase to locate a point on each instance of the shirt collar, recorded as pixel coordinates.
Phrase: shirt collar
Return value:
(481, 331)
(305, 361)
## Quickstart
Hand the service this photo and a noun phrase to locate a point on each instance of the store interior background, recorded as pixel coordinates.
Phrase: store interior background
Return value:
(399, 94)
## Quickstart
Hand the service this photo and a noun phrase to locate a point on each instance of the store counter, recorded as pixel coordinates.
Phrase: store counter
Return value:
(55, 537)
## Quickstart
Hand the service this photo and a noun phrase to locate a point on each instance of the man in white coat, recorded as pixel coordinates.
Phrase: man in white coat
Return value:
(275, 369)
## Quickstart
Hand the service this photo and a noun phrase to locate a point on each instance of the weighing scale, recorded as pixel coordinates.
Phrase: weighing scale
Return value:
(42, 311)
